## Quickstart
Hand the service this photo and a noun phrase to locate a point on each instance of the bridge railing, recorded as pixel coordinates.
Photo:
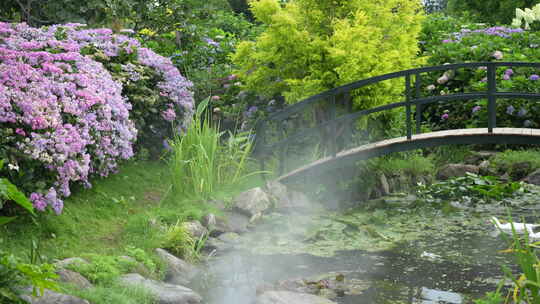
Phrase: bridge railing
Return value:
(413, 104)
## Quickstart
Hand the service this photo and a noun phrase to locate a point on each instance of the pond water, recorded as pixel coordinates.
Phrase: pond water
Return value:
(397, 251)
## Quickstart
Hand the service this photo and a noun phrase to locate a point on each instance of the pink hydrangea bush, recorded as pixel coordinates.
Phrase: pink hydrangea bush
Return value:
(160, 95)
(71, 101)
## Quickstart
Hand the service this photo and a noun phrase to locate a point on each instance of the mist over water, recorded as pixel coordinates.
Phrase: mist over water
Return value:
(423, 253)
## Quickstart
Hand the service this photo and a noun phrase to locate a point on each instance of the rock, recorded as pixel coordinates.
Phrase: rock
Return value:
(279, 194)
(252, 202)
(287, 297)
(438, 296)
(520, 170)
(533, 178)
(229, 237)
(219, 204)
(477, 157)
(195, 229)
(456, 170)
(51, 297)
(164, 292)
(484, 168)
(178, 270)
(69, 261)
(232, 221)
(393, 184)
(299, 202)
(385, 187)
(74, 278)
(404, 182)
(209, 221)
(214, 244)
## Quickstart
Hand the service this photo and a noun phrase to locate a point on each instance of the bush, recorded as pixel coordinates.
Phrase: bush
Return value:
(64, 117)
(491, 11)
(14, 275)
(438, 27)
(311, 46)
(433, 6)
(487, 44)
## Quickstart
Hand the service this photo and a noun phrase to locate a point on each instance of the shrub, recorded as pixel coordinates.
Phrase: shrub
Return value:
(491, 11)
(487, 44)
(104, 269)
(14, 275)
(438, 27)
(64, 117)
(433, 6)
(311, 46)
(10, 192)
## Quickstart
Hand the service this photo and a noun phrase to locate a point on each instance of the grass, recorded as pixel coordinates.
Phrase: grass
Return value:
(136, 211)
(126, 209)
(113, 293)
(451, 154)
(202, 164)
(408, 163)
(505, 160)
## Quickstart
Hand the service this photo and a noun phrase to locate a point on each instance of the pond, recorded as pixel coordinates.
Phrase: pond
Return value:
(393, 250)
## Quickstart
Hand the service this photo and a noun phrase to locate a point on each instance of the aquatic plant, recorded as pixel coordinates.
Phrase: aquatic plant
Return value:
(471, 187)
(201, 164)
(527, 282)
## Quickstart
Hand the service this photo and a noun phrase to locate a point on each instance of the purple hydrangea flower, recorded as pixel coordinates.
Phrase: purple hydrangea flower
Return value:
(211, 42)
(38, 201)
(169, 114)
(476, 109)
(534, 77)
(522, 112)
(510, 110)
(445, 116)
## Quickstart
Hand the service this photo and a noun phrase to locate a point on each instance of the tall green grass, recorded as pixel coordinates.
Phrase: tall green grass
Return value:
(202, 164)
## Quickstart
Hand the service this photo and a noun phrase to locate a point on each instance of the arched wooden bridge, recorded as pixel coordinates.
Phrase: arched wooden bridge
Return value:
(278, 133)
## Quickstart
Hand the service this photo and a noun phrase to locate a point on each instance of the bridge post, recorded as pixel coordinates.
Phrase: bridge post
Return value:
(418, 86)
(408, 106)
(492, 98)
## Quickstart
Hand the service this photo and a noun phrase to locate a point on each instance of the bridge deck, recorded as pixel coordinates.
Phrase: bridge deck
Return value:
(461, 136)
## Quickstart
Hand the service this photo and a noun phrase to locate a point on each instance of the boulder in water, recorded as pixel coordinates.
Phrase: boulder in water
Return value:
(287, 297)
(165, 293)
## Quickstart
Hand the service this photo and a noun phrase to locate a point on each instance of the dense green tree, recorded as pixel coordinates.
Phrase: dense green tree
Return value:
(310, 46)
(490, 11)
(158, 15)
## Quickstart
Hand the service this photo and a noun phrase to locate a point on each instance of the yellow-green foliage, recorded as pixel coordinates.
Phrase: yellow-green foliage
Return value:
(310, 46)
